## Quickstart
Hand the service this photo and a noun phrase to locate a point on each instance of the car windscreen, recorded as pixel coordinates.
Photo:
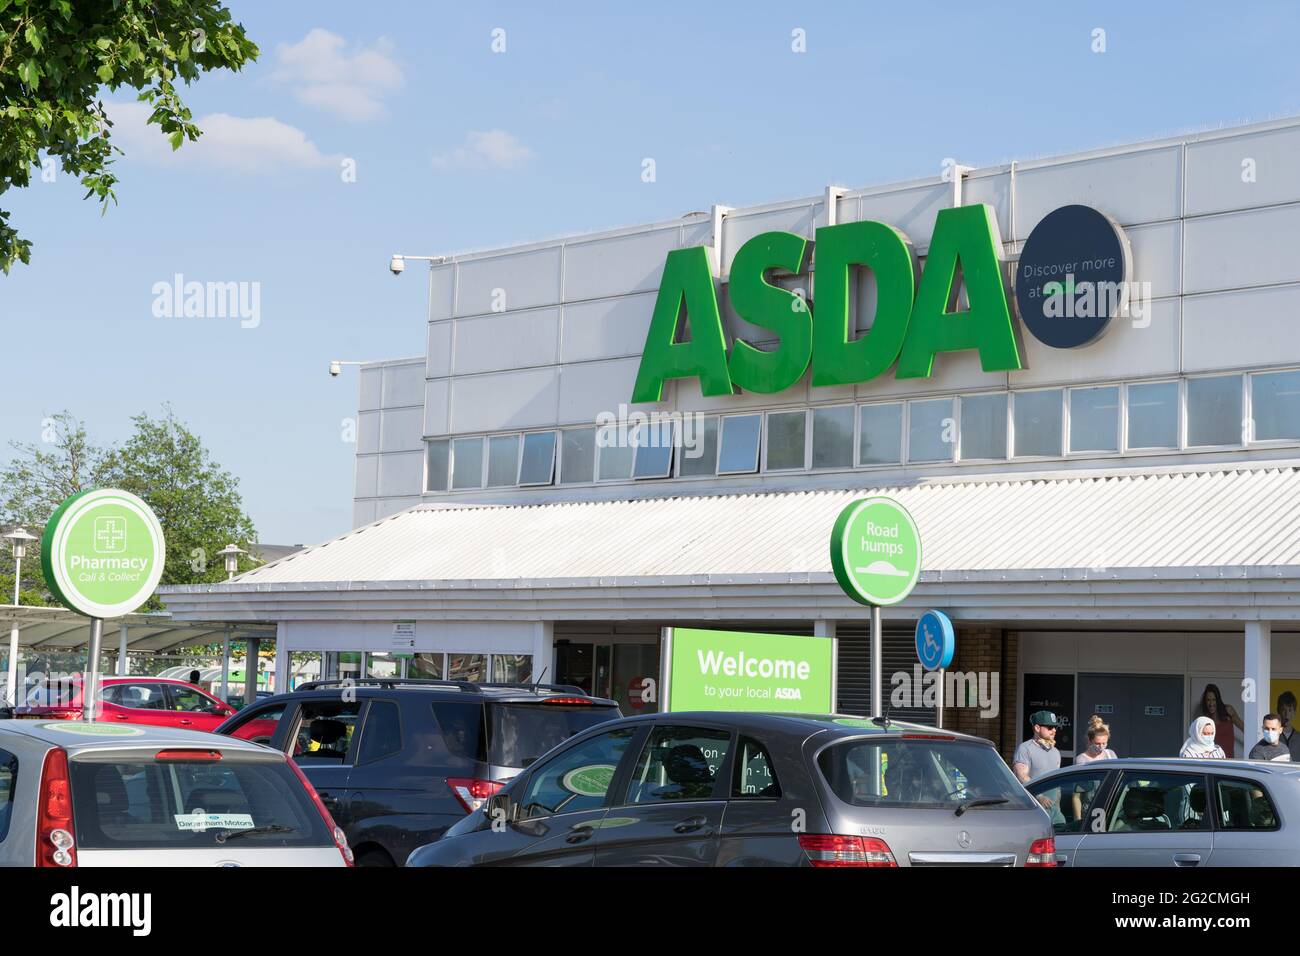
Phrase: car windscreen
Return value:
(919, 773)
(521, 732)
(137, 802)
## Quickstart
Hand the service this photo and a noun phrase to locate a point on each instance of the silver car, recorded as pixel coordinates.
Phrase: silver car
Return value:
(1174, 812)
(79, 794)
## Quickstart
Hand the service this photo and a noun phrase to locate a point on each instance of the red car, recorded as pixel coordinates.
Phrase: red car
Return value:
(134, 700)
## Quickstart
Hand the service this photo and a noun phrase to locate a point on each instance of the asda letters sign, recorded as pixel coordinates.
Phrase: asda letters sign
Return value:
(742, 671)
(914, 321)
(103, 552)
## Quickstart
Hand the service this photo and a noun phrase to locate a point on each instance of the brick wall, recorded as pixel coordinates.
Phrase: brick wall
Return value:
(988, 650)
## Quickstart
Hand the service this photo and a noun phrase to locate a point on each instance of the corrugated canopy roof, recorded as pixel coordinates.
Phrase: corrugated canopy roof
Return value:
(56, 628)
(1221, 517)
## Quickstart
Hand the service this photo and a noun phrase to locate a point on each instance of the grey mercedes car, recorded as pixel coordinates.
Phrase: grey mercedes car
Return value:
(1174, 812)
(728, 789)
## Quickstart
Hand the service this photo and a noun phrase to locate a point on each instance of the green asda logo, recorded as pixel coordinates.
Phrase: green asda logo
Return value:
(913, 323)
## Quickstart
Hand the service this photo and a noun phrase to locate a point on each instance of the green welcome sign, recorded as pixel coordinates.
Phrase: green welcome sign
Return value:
(103, 552)
(912, 324)
(741, 671)
(876, 551)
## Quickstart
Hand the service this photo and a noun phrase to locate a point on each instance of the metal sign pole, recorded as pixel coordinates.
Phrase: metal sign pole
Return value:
(875, 660)
(90, 681)
(939, 724)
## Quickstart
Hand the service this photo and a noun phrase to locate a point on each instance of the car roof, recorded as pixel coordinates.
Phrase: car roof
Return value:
(1176, 763)
(841, 725)
(73, 736)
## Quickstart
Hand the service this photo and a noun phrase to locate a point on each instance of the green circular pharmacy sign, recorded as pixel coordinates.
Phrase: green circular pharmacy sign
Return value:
(103, 552)
(876, 551)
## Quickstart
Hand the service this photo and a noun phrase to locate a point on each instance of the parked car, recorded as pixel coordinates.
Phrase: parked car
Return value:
(730, 789)
(132, 700)
(1174, 812)
(76, 794)
(398, 762)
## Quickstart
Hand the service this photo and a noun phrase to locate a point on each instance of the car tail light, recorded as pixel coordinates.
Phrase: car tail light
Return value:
(472, 794)
(189, 756)
(56, 842)
(1042, 853)
(831, 850)
(568, 700)
(340, 838)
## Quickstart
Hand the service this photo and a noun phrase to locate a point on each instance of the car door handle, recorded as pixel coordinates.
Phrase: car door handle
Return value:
(691, 824)
(1186, 859)
(184, 722)
(121, 716)
(580, 833)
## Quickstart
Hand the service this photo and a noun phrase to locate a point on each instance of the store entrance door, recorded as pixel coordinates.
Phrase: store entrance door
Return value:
(615, 671)
(1144, 711)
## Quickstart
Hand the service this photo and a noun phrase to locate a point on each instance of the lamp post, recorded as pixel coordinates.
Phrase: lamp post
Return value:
(231, 553)
(18, 538)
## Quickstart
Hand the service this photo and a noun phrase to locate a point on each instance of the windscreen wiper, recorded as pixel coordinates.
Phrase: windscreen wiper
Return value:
(224, 835)
(980, 802)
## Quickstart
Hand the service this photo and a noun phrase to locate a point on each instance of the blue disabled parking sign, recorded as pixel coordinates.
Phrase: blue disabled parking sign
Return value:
(935, 640)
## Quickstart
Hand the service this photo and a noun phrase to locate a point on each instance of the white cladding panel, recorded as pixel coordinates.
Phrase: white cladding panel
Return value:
(442, 291)
(367, 476)
(371, 386)
(403, 385)
(437, 407)
(1144, 185)
(1129, 348)
(1237, 172)
(739, 227)
(367, 433)
(1157, 255)
(401, 474)
(913, 210)
(510, 281)
(1240, 249)
(501, 400)
(606, 328)
(437, 362)
(1255, 327)
(400, 429)
(589, 388)
(508, 340)
(617, 266)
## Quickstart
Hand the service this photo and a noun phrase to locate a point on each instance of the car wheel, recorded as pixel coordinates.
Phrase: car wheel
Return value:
(374, 858)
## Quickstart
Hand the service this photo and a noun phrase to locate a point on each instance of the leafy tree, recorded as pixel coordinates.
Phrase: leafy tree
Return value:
(56, 55)
(197, 502)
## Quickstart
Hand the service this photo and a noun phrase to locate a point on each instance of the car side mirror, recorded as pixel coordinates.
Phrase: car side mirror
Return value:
(501, 807)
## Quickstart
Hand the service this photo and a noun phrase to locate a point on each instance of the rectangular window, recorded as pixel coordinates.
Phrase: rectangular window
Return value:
(537, 463)
(503, 460)
(1094, 419)
(425, 666)
(983, 426)
(755, 775)
(1153, 415)
(930, 431)
(325, 731)
(512, 668)
(470, 667)
(1275, 406)
(8, 786)
(382, 734)
(466, 463)
(739, 453)
(577, 455)
(1068, 803)
(880, 434)
(1214, 410)
(1037, 420)
(699, 451)
(1244, 805)
(1150, 800)
(653, 455)
(786, 439)
(615, 460)
(833, 437)
(678, 763)
(438, 457)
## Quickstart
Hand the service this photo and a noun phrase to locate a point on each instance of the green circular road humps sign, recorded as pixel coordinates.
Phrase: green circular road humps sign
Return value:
(876, 551)
(103, 552)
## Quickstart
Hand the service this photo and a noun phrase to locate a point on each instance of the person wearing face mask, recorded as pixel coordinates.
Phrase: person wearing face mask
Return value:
(1271, 746)
(1098, 738)
(1200, 740)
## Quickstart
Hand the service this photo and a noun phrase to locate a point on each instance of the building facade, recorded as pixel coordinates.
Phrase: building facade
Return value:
(1112, 522)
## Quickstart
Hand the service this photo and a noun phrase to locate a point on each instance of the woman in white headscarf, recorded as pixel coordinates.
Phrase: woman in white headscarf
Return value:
(1200, 740)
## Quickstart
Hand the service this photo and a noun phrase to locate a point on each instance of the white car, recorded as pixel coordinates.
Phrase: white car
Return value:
(97, 794)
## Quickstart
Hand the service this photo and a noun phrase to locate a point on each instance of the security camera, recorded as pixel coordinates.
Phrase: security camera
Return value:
(396, 265)
(335, 368)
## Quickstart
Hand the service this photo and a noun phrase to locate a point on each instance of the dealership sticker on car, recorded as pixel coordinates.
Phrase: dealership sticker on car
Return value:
(589, 781)
(200, 822)
(92, 730)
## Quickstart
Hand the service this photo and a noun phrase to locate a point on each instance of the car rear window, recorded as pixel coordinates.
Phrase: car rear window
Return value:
(521, 732)
(919, 773)
(8, 783)
(133, 802)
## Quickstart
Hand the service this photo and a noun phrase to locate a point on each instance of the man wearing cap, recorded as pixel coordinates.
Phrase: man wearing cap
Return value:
(1038, 755)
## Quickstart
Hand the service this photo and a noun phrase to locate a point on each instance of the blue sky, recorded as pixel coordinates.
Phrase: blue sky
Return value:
(457, 147)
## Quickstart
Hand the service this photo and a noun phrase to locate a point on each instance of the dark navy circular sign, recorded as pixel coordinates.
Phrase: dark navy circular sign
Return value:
(935, 640)
(1072, 276)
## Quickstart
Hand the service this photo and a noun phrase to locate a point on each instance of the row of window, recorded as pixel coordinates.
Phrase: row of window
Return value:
(438, 665)
(1177, 414)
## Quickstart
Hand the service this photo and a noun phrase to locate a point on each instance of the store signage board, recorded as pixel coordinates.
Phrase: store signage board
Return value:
(912, 323)
(743, 671)
(103, 553)
(876, 551)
